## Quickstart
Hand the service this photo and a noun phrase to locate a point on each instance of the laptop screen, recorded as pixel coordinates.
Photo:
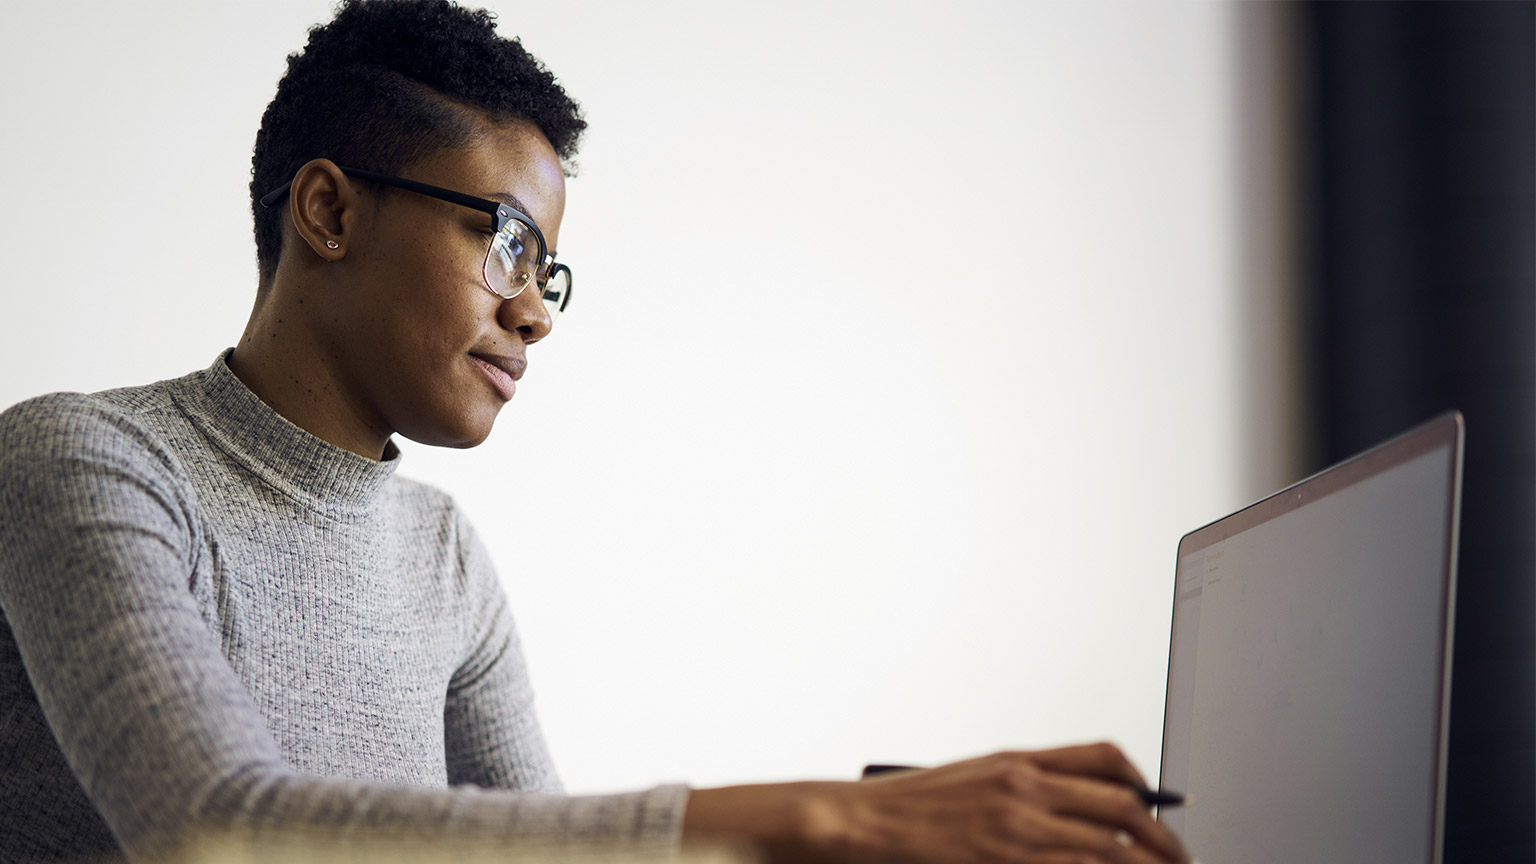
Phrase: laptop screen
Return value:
(1308, 681)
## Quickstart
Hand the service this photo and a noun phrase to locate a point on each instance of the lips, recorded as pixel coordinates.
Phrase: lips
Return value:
(501, 372)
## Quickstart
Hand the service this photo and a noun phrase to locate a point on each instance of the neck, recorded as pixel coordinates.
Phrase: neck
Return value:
(283, 360)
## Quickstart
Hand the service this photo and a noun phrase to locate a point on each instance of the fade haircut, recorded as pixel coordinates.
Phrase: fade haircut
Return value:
(390, 82)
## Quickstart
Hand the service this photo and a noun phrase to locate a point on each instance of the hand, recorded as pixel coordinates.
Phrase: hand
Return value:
(1072, 805)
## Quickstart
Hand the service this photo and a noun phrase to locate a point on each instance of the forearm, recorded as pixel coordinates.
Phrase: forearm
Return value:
(786, 822)
(274, 806)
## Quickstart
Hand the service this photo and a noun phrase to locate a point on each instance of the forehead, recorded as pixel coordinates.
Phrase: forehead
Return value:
(509, 162)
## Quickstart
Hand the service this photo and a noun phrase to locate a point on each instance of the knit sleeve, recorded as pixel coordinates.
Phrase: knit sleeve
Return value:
(492, 732)
(98, 537)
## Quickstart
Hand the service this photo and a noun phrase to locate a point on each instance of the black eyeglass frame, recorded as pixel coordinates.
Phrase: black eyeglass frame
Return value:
(500, 215)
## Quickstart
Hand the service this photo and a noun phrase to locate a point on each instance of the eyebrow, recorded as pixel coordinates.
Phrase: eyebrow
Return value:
(509, 198)
(519, 206)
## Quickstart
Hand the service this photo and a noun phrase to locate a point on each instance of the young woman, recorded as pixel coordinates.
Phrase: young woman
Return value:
(224, 612)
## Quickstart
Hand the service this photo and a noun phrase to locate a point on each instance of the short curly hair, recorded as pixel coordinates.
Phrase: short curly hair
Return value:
(388, 82)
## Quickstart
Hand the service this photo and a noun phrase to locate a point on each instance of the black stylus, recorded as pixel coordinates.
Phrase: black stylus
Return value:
(1149, 797)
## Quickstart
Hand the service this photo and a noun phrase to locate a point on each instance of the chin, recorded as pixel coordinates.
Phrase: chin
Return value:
(454, 442)
(461, 434)
(464, 440)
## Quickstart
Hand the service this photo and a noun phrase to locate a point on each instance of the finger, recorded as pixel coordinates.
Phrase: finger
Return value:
(1065, 856)
(1110, 807)
(1103, 760)
(1050, 837)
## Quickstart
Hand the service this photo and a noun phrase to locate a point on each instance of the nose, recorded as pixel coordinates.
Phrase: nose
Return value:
(526, 314)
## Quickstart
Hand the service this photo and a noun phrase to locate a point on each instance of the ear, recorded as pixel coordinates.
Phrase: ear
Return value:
(323, 206)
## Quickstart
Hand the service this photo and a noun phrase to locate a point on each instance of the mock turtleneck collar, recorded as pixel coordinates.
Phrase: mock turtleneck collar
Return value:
(318, 474)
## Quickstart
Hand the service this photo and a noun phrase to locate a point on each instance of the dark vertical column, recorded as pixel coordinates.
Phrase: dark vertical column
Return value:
(1421, 296)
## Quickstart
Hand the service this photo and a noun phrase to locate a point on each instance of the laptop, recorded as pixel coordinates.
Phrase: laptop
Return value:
(1310, 662)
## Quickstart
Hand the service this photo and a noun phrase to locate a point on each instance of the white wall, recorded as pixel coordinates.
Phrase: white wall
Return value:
(904, 347)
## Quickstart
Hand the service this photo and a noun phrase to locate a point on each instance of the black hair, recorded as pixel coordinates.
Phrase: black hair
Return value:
(388, 82)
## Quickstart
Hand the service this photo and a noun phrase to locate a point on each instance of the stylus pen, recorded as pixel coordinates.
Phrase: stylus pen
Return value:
(1149, 797)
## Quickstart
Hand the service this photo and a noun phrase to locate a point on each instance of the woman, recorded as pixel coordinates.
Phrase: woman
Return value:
(223, 610)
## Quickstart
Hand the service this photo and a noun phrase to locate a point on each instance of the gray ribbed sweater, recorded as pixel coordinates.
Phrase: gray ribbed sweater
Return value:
(214, 620)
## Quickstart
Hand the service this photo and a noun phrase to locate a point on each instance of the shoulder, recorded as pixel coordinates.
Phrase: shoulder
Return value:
(111, 427)
(424, 505)
(60, 423)
(437, 519)
(126, 410)
(89, 450)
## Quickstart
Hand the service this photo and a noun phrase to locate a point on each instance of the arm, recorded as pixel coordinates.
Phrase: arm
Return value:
(991, 809)
(98, 538)
(491, 729)
(1047, 807)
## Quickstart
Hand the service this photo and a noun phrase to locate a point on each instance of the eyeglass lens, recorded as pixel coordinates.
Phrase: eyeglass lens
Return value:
(512, 264)
(557, 291)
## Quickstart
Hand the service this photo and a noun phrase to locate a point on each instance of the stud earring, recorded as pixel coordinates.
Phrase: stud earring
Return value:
(332, 244)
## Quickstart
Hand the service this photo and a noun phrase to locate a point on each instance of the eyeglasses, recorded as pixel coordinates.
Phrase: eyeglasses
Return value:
(517, 257)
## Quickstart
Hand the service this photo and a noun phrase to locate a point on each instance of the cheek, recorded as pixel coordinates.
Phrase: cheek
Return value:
(442, 316)
(428, 284)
